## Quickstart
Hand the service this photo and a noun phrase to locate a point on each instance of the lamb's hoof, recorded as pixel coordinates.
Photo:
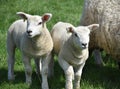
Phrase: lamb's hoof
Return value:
(45, 87)
(28, 83)
(11, 78)
(50, 75)
(78, 87)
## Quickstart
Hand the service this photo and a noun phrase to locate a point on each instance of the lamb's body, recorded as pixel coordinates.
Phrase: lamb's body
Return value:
(63, 38)
(35, 47)
(107, 14)
(72, 50)
(34, 41)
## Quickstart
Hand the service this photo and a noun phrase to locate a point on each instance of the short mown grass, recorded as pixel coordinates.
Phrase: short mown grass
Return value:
(93, 77)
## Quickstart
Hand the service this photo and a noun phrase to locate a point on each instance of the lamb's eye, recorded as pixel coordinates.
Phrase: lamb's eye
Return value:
(76, 35)
(39, 23)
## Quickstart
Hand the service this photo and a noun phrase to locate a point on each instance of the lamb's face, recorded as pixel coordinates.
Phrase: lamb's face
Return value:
(81, 37)
(35, 24)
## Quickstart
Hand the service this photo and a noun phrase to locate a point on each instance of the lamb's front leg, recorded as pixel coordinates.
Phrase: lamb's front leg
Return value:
(28, 69)
(38, 66)
(44, 72)
(78, 73)
(68, 70)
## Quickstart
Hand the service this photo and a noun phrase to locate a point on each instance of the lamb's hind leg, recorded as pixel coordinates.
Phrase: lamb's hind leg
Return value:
(51, 65)
(11, 59)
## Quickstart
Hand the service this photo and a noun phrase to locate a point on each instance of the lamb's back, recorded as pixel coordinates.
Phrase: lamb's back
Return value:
(59, 35)
(16, 31)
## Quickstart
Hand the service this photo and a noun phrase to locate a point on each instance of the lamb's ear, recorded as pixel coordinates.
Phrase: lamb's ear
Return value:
(93, 27)
(70, 29)
(46, 17)
(23, 15)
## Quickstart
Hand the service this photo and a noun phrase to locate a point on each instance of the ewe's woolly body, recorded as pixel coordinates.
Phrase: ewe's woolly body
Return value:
(107, 14)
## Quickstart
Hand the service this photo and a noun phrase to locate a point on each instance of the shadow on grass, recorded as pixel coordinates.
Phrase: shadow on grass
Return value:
(105, 77)
(19, 80)
(19, 76)
(56, 82)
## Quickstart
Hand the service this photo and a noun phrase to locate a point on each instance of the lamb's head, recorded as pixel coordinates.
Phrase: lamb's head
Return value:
(35, 23)
(80, 35)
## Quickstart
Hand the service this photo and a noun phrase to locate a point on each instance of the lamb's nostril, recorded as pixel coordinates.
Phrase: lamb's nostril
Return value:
(84, 44)
(29, 32)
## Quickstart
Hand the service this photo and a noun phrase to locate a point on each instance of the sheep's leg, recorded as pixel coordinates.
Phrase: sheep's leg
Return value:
(44, 72)
(28, 69)
(11, 59)
(98, 57)
(51, 65)
(68, 70)
(78, 73)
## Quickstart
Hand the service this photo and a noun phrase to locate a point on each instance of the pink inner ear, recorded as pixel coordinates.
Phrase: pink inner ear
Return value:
(46, 17)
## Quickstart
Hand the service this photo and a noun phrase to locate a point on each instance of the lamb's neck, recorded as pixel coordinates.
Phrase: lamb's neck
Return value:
(77, 52)
(39, 41)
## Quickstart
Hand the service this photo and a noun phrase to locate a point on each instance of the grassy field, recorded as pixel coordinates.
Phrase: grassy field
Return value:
(94, 77)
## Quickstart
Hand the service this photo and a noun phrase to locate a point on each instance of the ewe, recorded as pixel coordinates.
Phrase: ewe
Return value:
(71, 45)
(107, 14)
(33, 39)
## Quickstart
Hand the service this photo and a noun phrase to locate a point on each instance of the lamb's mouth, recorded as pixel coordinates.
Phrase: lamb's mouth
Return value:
(29, 35)
(84, 47)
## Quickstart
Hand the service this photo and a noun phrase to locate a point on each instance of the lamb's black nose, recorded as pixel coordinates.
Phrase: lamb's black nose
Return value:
(29, 31)
(84, 44)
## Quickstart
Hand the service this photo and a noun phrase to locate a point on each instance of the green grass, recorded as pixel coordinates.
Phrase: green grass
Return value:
(93, 77)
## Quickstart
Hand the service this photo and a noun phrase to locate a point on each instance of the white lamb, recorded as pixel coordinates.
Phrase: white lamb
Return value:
(71, 45)
(107, 14)
(33, 39)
